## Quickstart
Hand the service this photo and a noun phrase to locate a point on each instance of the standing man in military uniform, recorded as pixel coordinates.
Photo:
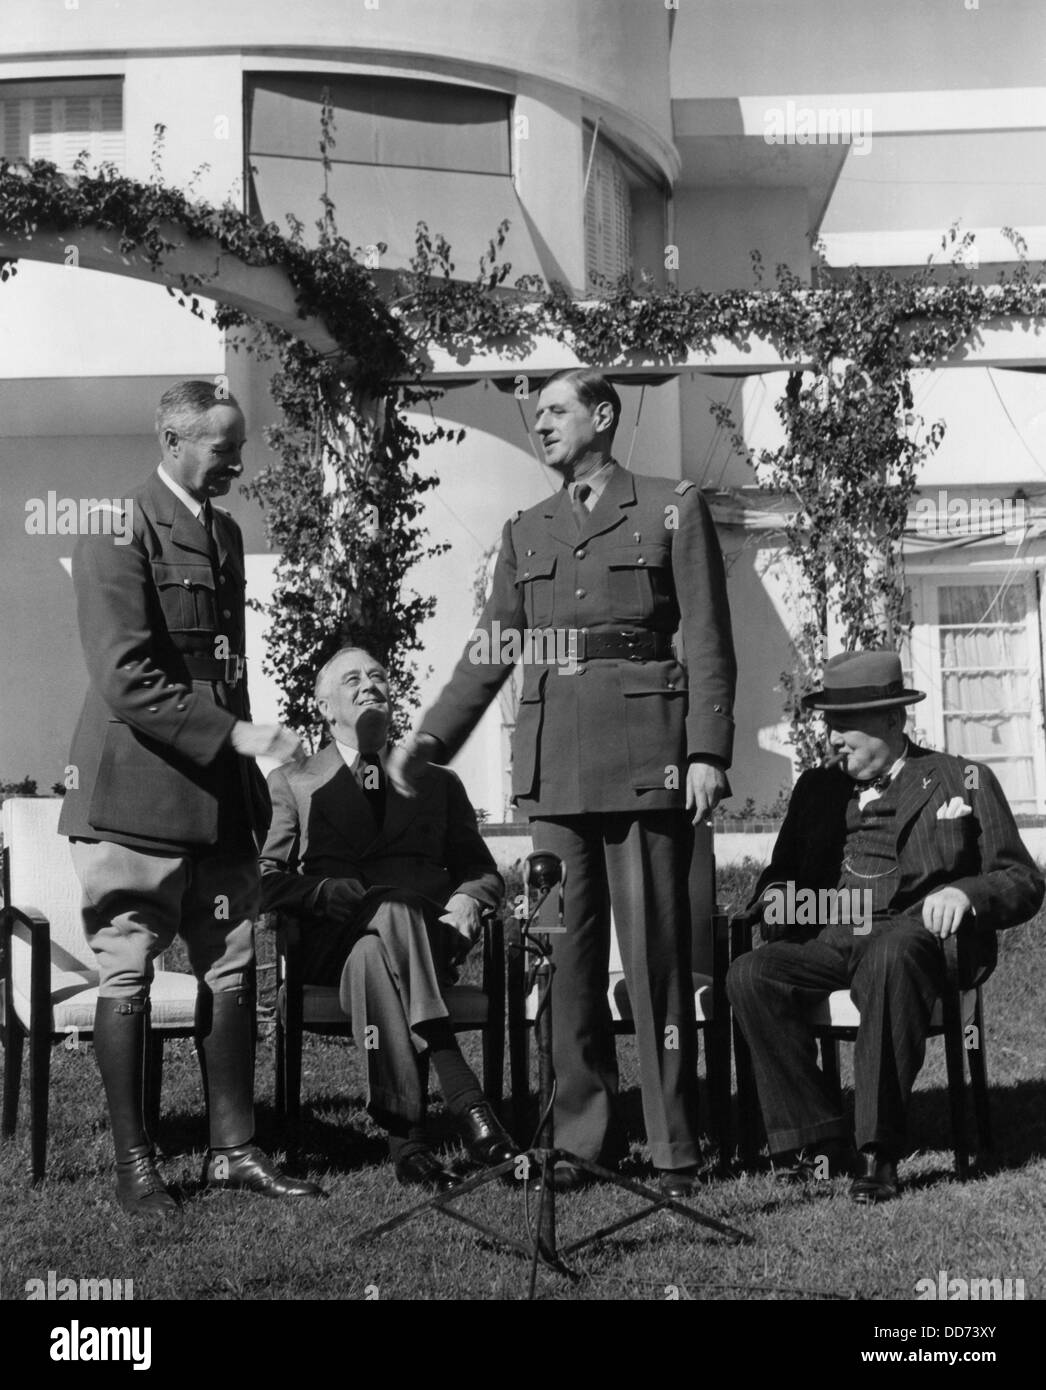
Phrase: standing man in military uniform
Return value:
(611, 760)
(168, 805)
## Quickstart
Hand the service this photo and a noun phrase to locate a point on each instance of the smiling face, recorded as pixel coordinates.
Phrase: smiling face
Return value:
(575, 439)
(205, 459)
(873, 740)
(354, 699)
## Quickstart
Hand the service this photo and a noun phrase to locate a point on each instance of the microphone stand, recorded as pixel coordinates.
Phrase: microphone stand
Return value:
(543, 1246)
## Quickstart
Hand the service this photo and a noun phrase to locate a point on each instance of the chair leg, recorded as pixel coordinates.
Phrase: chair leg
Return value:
(292, 1075)
(717, 1071)
(15, 1042)
(280, 1089)
(518, 1050)
(39, 1091)
(494, 1062)
(747, 1100)
(153, 1081)
(978, 1063)
(830, 1066)
(953, 1055)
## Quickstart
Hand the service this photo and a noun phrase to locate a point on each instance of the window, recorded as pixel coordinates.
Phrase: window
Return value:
(624, 214)
(975, 650)
(60, 119)
(404, 151)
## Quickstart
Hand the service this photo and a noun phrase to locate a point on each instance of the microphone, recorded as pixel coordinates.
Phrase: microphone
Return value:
(543, 879)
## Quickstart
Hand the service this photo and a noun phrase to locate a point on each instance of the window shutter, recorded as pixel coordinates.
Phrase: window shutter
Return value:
(608, 218)
(57, 125)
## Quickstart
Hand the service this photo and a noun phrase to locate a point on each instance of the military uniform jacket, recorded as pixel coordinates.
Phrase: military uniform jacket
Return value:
(617, 734)
(981, 852)
(323, 827)
(151, 754)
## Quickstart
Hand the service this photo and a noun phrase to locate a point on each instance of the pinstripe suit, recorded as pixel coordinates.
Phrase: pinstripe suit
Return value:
(895, 970)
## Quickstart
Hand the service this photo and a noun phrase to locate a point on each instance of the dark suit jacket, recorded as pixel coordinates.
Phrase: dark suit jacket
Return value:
(322, 827)
(981, 853)
(617, 735)
(151, 748)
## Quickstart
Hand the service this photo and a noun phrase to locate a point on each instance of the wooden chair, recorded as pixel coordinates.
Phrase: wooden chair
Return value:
(957, 1017)
(710, 959)
(50, 985)
(302, 1008)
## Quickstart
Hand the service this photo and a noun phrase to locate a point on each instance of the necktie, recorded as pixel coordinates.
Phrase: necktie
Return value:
(372, 781)
(207, 522)
(578, 504)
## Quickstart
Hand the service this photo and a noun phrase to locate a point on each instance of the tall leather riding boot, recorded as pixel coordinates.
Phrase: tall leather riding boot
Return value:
(225, 1042)
(120, 1027)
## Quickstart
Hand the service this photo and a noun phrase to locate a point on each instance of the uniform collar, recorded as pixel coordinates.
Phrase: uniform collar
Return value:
(186, 498)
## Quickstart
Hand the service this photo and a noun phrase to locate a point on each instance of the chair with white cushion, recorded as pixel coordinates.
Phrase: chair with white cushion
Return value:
(957, 1018)
(302, 1008)
(49, 982)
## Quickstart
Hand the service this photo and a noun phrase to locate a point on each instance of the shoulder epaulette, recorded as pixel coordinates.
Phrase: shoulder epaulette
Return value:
(685, 486)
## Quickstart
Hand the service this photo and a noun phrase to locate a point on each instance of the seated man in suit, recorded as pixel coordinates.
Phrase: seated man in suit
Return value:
(918, 844)
(390, 891)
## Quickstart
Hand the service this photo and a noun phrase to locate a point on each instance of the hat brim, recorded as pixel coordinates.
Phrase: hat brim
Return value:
(816, 701)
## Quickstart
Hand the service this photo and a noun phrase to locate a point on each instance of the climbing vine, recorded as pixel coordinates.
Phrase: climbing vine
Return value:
(341, 497)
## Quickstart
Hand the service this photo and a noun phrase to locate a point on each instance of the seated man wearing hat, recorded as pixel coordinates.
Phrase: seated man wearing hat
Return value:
(927, 841)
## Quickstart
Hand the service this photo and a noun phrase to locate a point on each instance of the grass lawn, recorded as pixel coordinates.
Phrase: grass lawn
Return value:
(807, 1244)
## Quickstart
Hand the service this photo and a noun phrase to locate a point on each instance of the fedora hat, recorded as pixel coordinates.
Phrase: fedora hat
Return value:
(862, 681)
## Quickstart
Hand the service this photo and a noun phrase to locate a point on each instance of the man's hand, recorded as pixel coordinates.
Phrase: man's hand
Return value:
(705, 788)
(266, 741)
(464, 914)
(406, 765)
(339, 900)
(944, 910)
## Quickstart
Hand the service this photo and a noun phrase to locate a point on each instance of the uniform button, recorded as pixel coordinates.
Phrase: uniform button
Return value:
(526, 574)
(580, 554)
(670, 685)
(579, 593)
(640, 561)
(181, 705)
(581, 670)
(530, 552)
(718, 709)
(186, 583)
(584, 632)
(226, 612)
(153, 709)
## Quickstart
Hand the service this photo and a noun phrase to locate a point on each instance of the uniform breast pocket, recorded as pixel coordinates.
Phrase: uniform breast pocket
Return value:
(535, 580)
(639, 579)
(187, 596)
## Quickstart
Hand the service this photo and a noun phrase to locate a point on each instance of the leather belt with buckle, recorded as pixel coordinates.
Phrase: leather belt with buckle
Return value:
(628, 644)
(231, 669)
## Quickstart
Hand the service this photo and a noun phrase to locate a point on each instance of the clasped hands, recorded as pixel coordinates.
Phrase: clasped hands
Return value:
(340, 898)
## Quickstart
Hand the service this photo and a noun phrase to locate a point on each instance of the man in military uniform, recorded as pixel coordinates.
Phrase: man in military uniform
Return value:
(168, 805)
(608, 758)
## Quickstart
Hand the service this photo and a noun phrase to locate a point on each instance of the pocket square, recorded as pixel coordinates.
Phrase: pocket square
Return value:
(955, 809)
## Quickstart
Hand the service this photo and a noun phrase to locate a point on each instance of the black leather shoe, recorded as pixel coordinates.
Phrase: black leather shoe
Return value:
(876, 1179)
(140, 1190)
(423, 1169)
(565, 1178)
(487, 1139)
(679, 1183)
(246, 1169)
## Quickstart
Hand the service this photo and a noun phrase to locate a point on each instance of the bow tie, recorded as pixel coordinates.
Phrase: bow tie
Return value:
(880, 784)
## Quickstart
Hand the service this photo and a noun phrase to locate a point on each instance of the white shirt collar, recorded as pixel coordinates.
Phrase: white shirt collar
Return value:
(872, 792)
(185, 497)
(350, 754)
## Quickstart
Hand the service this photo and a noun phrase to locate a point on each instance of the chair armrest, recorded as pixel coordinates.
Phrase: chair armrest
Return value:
(288, 967)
